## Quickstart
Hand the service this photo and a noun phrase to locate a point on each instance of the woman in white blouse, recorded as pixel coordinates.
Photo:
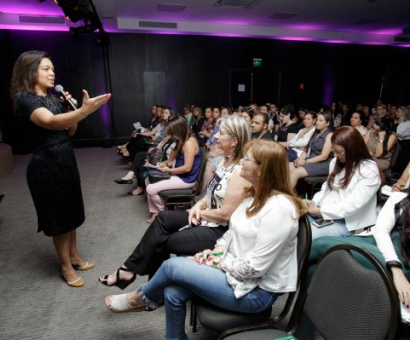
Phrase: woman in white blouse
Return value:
(349, 196)
(390, 244)
(300, 141)
(250, 265)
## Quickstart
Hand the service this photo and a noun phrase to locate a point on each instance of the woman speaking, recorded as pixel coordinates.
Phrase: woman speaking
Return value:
(52, 173)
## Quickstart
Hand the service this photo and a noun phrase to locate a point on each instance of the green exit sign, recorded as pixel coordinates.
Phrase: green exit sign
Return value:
(257, 62)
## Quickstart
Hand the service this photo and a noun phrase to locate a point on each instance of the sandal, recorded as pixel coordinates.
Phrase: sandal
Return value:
(121, 284)
(119, 304)
(79, 282)
(87, 266)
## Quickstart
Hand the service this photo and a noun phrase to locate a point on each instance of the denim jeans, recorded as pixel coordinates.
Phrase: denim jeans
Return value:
(180, 279)
(337, 228)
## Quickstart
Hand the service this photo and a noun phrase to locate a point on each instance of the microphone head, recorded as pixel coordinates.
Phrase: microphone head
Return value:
(59, 88)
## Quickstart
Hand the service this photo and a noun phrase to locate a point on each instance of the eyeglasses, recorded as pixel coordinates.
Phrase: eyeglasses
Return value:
(338, 152)
(247, 159)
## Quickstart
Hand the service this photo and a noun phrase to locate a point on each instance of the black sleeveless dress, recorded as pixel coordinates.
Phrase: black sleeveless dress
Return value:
(52, 173)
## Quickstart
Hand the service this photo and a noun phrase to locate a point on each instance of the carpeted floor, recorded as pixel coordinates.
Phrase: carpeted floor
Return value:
(35, 301)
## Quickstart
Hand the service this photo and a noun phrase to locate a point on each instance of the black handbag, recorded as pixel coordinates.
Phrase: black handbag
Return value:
(156, 175)
(156, 156)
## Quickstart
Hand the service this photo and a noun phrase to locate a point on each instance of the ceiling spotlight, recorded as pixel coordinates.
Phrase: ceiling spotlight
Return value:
(76, 31)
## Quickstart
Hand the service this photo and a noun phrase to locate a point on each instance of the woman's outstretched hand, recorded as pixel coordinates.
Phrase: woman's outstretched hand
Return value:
(91, 105)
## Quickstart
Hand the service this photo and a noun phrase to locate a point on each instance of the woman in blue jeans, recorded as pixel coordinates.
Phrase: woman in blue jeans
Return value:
(250, 265)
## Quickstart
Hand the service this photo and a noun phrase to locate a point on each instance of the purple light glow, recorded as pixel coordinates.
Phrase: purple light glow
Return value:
(293, 38)
(407, 45)
(337, 41)
(308, 27)
(238, 23)
(34, 28)
(374, 43)
(30, 10)
(391, 31)
(105, 116)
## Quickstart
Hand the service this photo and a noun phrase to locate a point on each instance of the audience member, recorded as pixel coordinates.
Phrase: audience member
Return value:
(259, 259)
(380, 142)
(187, 157)
(349, 196)
(357, 119)
(215, 154)
(299, 143)
(207, 126)
(316, 161)
(207, 219)
(198, 120)
(288, 127)
(403, 129)
(259, 126)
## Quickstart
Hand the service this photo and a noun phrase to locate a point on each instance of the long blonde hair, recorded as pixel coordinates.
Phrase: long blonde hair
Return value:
(274, 176)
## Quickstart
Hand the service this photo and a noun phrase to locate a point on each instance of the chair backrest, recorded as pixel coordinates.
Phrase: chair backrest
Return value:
(200, 176)
(347, 300)
(303, 249)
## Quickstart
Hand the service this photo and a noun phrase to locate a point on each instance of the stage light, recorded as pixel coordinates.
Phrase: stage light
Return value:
(76, 31)
(76, 10)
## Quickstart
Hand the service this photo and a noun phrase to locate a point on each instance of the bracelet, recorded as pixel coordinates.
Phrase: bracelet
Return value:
(395, 264)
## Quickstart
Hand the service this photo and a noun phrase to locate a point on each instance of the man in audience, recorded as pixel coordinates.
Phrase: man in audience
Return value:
(260, 123)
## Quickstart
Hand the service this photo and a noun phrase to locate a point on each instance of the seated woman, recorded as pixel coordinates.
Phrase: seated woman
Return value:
(288, 125)
(137, 166)
(403, 129)
(208, 218)
(349, 196)
(316, 161)
(155, 118)
(357, 121)
(207, 127)
(187, 157)
(215, 153)
(197, 120)
(250, 266)
(380, 143)
(389, 244)
(300, 141)
(142, 141)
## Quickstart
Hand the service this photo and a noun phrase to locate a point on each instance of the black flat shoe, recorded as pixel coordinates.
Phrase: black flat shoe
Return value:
(123, 181)
(121, 284)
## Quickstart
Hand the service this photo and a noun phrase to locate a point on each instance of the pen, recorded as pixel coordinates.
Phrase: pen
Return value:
(306, 197)
(217, 254)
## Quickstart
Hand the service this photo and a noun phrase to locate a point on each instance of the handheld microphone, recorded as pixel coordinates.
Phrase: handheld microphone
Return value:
(60, 90)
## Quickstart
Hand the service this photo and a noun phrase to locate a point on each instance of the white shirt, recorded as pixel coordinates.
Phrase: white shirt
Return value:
(384, 225)
(297, 142)
(403, 129)
(357, 203)
(261, 250)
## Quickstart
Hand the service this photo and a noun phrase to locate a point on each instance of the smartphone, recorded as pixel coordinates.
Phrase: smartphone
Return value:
(322, 223)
